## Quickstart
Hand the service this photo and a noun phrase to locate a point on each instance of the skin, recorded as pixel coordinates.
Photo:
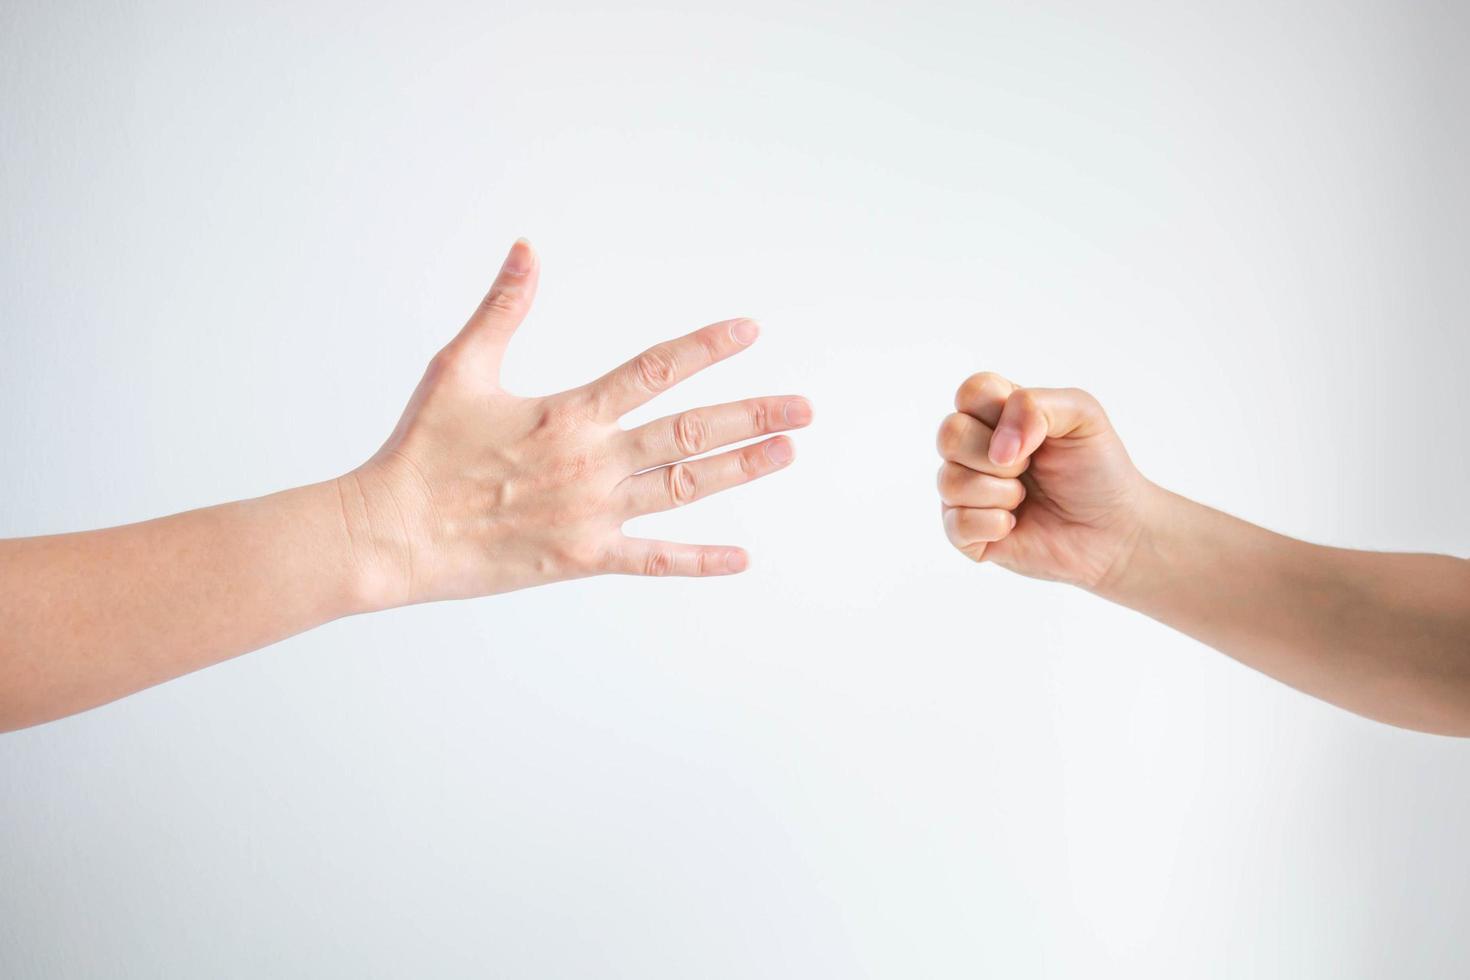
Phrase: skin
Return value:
(477, 491)
(1037, 481)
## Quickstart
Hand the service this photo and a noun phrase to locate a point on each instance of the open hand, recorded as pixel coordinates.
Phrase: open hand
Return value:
(1037, 481)
(480, 491)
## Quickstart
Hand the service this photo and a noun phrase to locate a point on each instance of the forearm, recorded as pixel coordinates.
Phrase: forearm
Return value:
(1383, 635)
(86, 618)
(477, 491)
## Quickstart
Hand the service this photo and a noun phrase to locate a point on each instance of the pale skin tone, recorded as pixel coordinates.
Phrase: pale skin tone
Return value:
(477, 491)
(1037, 481)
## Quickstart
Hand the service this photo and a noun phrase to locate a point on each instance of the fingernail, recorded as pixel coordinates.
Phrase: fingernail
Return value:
(736, 561)
(1004, 446)
(744, 332)
(780, 451)
(518, 262)
(798, 411)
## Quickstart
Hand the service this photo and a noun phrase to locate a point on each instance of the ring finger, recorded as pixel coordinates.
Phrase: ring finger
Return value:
(682, 483)
(960, 486)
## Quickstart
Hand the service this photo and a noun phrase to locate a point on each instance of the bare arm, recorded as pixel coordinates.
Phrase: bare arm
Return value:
(1037, 481)
(1384, 635)
(477, 491)
(88, 617)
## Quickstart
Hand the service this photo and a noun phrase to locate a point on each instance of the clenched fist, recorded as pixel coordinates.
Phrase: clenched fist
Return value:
(1037, 481)
(480, 491)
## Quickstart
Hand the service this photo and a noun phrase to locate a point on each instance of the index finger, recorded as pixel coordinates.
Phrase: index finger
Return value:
(983, 396)
(1033, 415)
(664, 365)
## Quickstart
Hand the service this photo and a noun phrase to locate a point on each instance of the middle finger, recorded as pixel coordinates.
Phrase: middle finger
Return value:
(964, 439)
(676, 437)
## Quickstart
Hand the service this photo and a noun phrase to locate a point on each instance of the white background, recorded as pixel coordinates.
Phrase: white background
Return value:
(232, 234)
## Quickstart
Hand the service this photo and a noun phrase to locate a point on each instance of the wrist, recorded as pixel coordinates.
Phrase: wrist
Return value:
(375, 561)
(1145, 556)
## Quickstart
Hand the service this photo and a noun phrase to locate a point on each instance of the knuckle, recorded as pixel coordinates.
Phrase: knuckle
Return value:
(975, 524)
(749, 461)
(952, 434)
(964, 525)
(586, 560)
(949, 480)
(712, 342)
(573, 558)
(605, 559)
(573, 467)
(681, 488)
(955, 527)
(655, 368)
(965, 529)
(447, 364)
(974, 552)
(1085, 399)
(982, 383)
(691, 434)
(1017, 493)
(760, 417)
(611, 557)
(565, 414)
(658, 563)
(557, 418)
(1026, 401)
(995, 524)
(575, 409)
(501, 300)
